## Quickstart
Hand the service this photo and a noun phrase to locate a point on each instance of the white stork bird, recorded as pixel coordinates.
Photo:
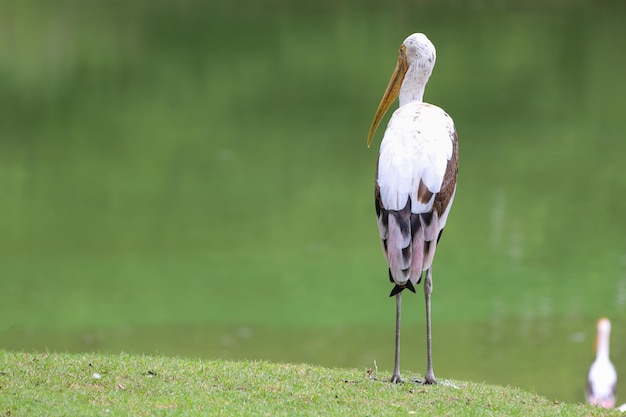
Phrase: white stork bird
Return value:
(415, 180)
(602, 377)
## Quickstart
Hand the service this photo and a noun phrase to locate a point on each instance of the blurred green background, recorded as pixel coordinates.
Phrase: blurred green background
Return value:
(191, 178)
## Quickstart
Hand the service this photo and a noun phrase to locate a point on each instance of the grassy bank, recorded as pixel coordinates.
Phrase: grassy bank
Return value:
(93, 384)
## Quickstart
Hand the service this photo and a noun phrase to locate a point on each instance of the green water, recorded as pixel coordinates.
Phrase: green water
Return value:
(192, 179)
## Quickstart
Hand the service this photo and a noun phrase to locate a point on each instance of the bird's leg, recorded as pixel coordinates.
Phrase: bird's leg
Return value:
(428, 289)
(396, 378)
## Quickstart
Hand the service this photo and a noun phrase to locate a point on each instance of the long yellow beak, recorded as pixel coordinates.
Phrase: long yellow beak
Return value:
(393, 89)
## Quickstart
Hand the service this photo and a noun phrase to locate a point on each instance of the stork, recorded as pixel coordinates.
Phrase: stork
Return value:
(602, 376)
(415, 181)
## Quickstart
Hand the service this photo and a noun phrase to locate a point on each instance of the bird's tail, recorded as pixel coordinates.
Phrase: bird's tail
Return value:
(404, 248)
(399, 288)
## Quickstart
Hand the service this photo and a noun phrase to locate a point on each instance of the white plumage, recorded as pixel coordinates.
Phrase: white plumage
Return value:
(416, 148)
(602, 377)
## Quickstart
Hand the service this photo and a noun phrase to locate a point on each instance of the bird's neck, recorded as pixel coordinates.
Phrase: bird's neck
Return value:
(603, 346)
(413, 86)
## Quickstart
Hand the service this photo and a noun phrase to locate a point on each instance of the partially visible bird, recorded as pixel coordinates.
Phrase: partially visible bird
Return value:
(602, 376)
(415, 180)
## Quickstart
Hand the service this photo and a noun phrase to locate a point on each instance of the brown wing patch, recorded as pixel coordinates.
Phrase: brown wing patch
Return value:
(442, 199)
(423, 193)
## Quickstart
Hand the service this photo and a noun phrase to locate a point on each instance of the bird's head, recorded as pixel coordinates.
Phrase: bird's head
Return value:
(420, 52)
(417, 53)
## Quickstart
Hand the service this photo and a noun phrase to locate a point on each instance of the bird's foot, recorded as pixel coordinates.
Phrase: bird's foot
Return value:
(445, 383)
(396, 379)
(429, 379)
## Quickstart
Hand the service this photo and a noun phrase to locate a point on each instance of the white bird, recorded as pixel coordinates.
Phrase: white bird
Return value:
(415, 180)
(602, 376)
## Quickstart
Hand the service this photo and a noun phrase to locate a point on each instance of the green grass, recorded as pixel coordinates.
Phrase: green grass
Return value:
(93, 384)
